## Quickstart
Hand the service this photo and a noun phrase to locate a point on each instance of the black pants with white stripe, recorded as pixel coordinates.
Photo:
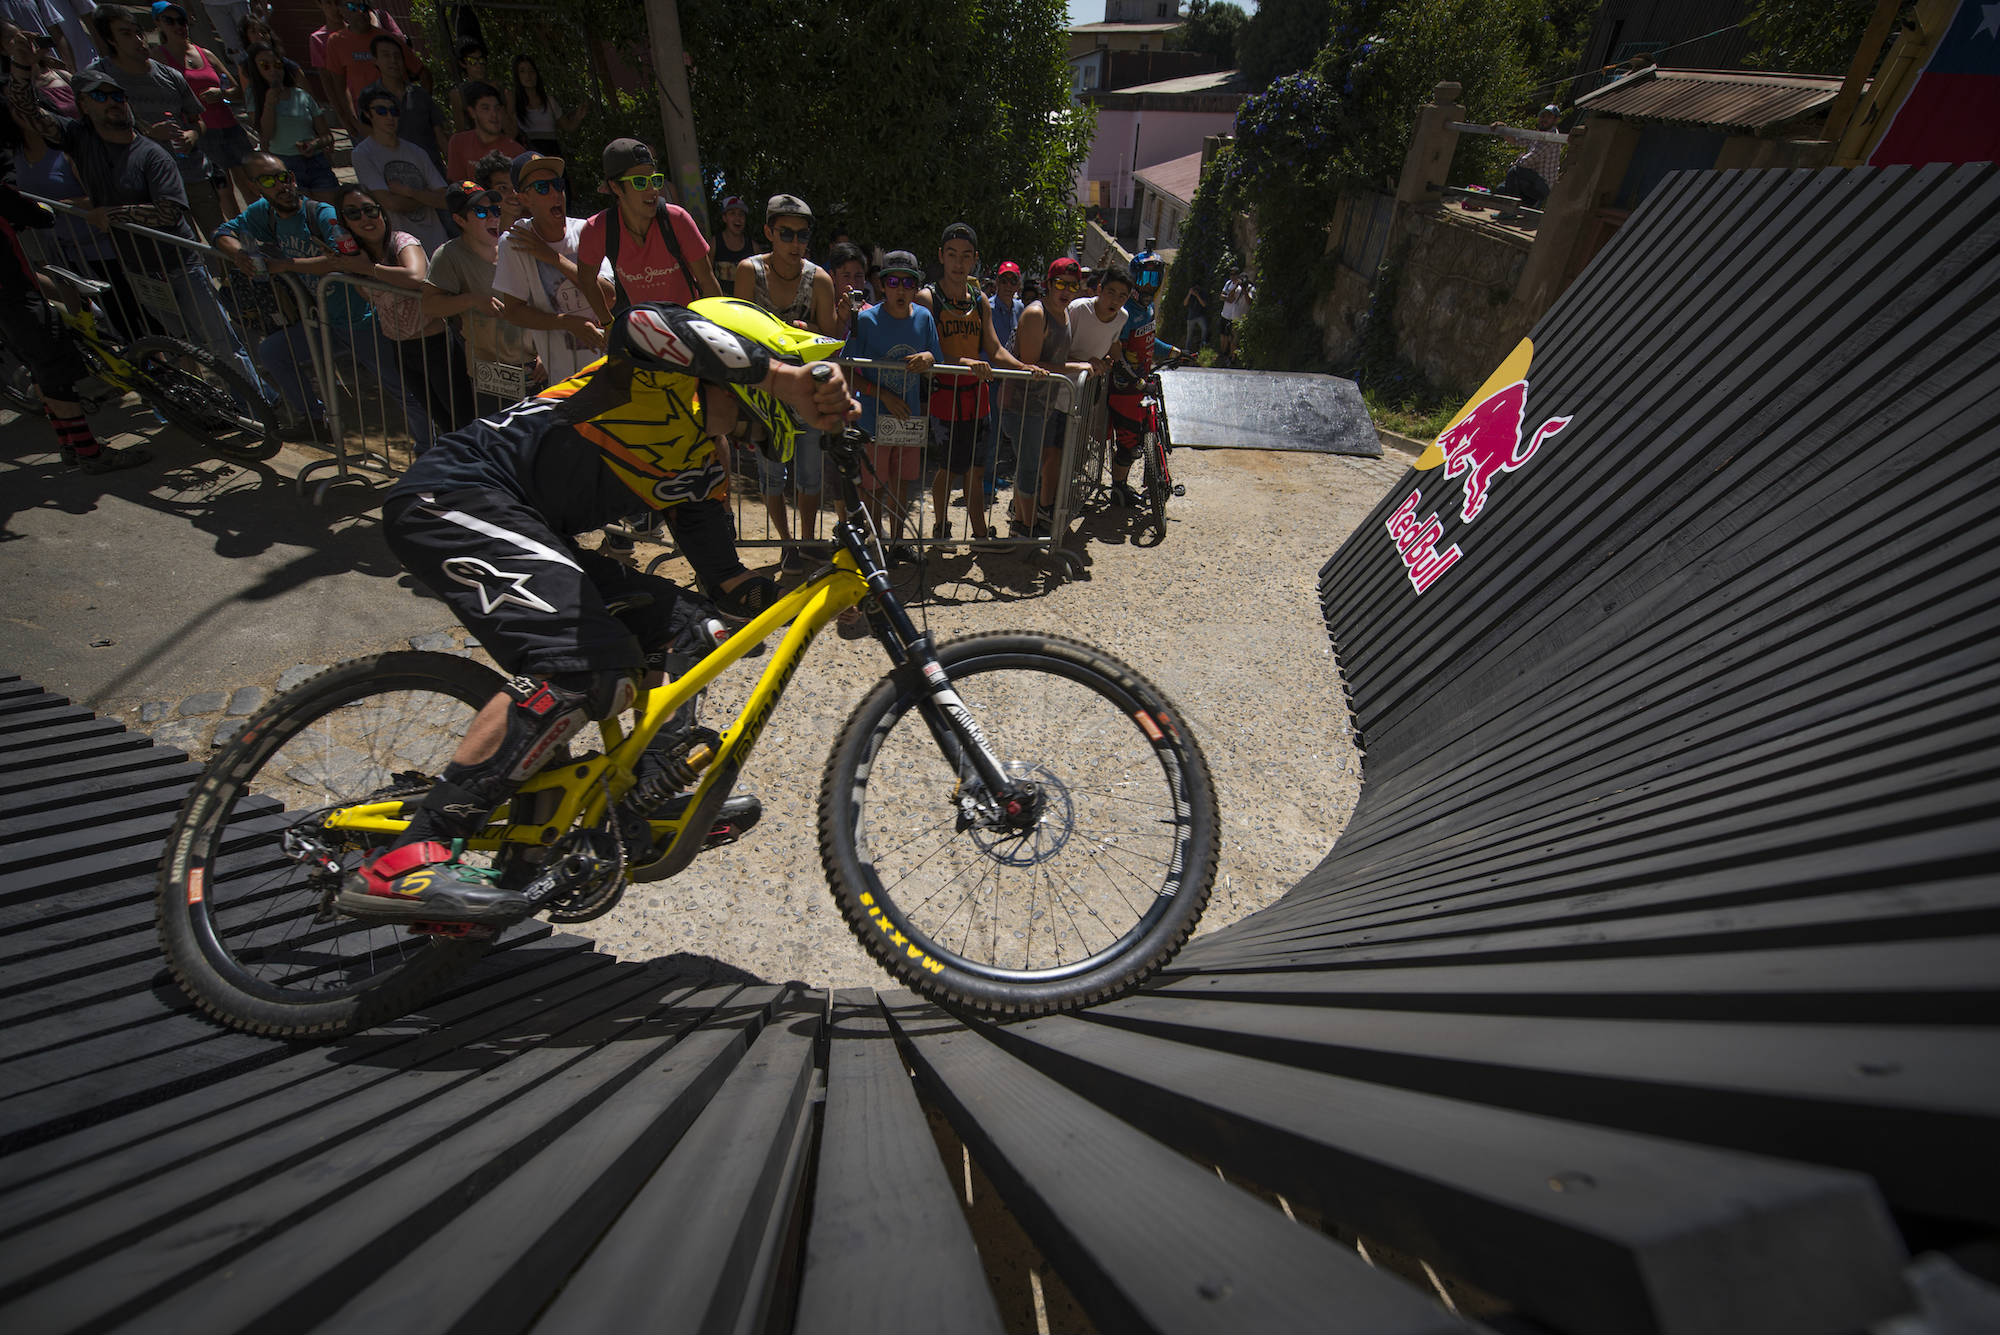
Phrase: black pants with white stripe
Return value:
(535, 600)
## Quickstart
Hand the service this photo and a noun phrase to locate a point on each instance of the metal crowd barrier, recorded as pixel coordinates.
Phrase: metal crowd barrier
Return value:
(166, 284)
(390, 381)
(788, 505)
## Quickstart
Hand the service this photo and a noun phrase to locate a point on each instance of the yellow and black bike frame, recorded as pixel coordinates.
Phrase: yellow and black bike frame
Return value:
(584, 789)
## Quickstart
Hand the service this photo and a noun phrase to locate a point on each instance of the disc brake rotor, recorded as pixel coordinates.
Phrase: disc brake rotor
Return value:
(1040, 841)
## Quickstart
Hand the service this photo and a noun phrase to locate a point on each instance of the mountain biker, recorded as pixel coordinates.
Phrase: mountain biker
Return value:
(1135, 364)
(484, 520)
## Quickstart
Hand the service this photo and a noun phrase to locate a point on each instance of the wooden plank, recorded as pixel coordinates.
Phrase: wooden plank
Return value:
(126, 1143)
(1145, 1238)
(1953, 982)
(1897, 1103)
(1585, 1228)
(18, 780)
(88, 814)
(882, 1203)
(144, 1245)
(52, 715)
(698, 1247)
(133, 1080)
(33, 741)
(54, 794)
(523, 1240)
(27, 881)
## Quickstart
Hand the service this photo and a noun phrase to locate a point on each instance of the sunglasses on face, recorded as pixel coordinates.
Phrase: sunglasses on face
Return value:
(657, 181)
(179, 21)
(898, 280)
(356, 212)
(800, 234)
(550, 185)
(1009, 280)
(484, 210)
(353, 8)
(107, 94)
(1068, 284)
(274, 180)
(384, 109)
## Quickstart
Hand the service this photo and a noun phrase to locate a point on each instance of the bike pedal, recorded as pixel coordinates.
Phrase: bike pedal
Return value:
(455, 931)
(1179, 490)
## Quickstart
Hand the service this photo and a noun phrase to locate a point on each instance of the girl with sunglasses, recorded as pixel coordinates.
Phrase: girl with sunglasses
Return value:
(293, 125)
(419, 367)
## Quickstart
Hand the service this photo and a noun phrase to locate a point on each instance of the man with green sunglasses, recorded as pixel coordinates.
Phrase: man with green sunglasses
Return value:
(656, 251)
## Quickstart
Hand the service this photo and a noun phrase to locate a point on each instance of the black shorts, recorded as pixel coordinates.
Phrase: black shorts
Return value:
(536, 601)
(957, 446)
(36, 334)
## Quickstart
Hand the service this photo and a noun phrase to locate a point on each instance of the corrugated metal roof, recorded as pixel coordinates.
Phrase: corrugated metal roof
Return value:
(1727, 98)
(1176, 178)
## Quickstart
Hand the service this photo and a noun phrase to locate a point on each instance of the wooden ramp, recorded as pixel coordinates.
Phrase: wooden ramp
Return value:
(1654, 985)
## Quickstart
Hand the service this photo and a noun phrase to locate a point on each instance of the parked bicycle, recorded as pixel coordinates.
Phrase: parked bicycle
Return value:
(1012, 823)
(1156, 443)
(187, 386)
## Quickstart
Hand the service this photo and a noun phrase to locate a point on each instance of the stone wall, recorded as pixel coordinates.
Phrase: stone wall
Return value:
(1455, 315)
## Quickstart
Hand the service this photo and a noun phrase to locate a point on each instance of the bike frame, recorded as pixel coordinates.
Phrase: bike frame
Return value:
(590, 786)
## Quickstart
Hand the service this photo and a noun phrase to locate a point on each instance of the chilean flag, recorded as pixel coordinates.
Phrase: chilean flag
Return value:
(1953, 112)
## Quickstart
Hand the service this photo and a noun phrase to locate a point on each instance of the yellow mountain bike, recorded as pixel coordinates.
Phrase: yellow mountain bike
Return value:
(186, 386)
(1013, 823)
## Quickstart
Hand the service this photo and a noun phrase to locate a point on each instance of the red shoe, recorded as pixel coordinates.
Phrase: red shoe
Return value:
(425, 882)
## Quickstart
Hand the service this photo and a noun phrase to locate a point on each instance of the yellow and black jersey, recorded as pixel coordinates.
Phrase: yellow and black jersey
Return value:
(622, 435)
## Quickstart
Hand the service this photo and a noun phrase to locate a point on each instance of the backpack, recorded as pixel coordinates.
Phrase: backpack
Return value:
(614, 234)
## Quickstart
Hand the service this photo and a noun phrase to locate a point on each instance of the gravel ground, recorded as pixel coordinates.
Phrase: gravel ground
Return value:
(1223, 615)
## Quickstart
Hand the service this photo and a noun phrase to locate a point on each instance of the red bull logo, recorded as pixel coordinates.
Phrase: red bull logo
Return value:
(1485, 440)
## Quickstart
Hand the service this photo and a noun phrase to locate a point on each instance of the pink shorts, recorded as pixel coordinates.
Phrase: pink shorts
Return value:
(896, 462)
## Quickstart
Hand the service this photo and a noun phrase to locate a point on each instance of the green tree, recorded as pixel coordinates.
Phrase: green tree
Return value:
(1282, 37)
(1212, 28)
(1809, 36)
(890, 119)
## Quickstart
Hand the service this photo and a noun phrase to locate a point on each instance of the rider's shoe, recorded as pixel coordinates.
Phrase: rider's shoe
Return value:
(1123, 495)
(425, 882)
(108, 460)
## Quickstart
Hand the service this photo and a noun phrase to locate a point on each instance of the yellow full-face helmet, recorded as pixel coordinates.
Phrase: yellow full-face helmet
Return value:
(773, 427)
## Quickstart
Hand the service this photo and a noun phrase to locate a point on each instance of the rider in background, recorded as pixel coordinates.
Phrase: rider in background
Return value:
(486, 518)
(1134, 365)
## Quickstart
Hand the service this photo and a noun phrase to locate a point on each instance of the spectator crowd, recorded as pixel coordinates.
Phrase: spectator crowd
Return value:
(480, 279)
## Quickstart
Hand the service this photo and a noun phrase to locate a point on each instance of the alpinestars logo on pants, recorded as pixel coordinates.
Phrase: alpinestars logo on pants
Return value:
(496, 587)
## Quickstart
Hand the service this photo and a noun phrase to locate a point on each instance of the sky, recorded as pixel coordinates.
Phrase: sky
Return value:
(1092, 11)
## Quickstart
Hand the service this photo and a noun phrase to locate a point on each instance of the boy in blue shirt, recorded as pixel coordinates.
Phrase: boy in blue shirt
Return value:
(896, 330)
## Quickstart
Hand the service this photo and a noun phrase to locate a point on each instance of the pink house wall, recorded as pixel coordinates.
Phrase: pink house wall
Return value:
(1163, 136)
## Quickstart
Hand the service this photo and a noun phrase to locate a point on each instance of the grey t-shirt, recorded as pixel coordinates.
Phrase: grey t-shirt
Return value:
(455, 269)
(140, 172)
(157, 95)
